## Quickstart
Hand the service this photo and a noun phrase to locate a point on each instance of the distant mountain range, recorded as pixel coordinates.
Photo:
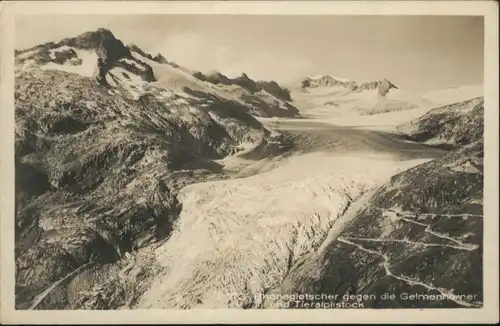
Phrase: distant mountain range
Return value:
(373, 97)
(382, 86)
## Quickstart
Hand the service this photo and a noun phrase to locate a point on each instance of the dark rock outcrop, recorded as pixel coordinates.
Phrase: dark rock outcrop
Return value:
(214, 78)
(62, 56)
(245, 82)
(139, 68)
(103, 70)
(157, 58)
(106, 45)
(275, 89)
(382, 86)
(135, 48)
(30, 180)
(160, 58)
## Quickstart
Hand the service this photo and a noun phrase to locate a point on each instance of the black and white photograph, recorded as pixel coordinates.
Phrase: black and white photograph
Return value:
(249, 161)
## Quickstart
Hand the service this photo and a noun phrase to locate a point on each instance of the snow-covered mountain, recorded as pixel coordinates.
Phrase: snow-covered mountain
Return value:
(132, 73)
(331, 93)
(382, 86)
(325, 95)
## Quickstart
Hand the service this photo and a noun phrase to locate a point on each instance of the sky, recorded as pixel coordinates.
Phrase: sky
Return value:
(414, 52)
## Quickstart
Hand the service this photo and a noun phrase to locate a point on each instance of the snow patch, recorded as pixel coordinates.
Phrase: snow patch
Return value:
(181, 101)
(88, 68)
(140, 57)
(345, 80)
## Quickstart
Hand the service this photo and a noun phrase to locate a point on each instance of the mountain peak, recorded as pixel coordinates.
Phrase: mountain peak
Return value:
(97, 35)
(382, 85)
(327, 81)
(107, 47)
(103, 41)
(104, 31)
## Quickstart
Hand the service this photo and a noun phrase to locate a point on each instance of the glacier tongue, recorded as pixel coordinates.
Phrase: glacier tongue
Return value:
(221, 247)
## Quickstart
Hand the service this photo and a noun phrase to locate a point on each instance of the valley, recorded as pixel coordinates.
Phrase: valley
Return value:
(144, 184)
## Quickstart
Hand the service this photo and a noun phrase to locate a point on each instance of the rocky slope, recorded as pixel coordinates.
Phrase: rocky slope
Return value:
(417, 240)
(99, 163)
(449, 126)
(452, 95)
(246, 82)
(260, 94)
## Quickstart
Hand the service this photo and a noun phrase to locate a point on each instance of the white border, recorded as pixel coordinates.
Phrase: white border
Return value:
(488, 314)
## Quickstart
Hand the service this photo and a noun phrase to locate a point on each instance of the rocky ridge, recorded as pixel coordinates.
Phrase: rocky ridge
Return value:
(249, 84)
(267, 94)
(382, 86)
